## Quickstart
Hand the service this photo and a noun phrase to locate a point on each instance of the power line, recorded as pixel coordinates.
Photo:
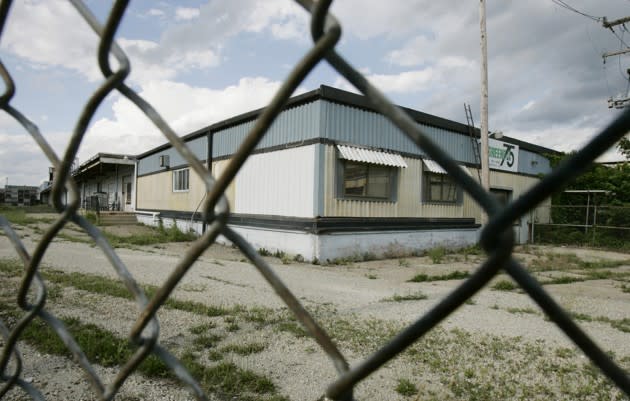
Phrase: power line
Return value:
(570, 8)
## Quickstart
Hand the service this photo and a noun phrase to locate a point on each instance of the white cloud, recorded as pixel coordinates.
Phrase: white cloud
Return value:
(21, 159)
(185, 13)
(415, 52)
(528, 105)
(155, 12)
(405, 82)
(51, 34)
(184, 107)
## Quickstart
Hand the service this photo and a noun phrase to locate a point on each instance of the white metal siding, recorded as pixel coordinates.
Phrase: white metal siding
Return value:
(278, 183)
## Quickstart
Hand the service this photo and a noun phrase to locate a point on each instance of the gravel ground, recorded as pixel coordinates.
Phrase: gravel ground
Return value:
(355, 303)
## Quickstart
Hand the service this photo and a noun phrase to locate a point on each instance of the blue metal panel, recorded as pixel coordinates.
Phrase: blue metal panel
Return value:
(532, 163)
(151, 163)
(367, 128)
(293, 125)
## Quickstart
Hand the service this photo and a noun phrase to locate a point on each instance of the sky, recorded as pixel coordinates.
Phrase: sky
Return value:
(199, 62)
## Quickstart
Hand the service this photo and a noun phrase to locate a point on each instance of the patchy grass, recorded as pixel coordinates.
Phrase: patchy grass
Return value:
(504, 285)
(406, 388)
(568, 261)
(157, 235)
(418, 296)
(403, 263)
(202, 328)
(436, 254)
(292, 327)
(521, 311)
(206, 341)
(17, 215)
(244, 349)
(562, 280)
(456, 275)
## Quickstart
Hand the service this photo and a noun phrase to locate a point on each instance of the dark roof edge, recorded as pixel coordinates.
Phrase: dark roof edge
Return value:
(99, 155)
(347, 98)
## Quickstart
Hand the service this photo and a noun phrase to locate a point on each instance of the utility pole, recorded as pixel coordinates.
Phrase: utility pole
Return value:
(610, 24)
(617, 53)
(485, 172)
(621, 102)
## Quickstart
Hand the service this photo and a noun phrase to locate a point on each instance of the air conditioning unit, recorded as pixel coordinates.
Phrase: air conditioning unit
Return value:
(164, 161)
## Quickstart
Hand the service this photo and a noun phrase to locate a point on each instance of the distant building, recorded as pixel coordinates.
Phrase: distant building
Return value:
(106, 182)
(20, 195)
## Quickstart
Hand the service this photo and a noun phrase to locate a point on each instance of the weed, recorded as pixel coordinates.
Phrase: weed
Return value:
(403, 263)
(298, 258)
(521, 310)
(437, 254)
(155, 236)
(562, 280)
(202, 328)
(232, 327)
(504, 285)
(564, 353)
(456, 275)
(371, 276)
(406, 388)
(244, 349)
(409, 297)
(226, 377)
(17, 216)
(263, 252)
(91, 217)
(72, 238)
(292, 327)
(206, 341)
(214, 355)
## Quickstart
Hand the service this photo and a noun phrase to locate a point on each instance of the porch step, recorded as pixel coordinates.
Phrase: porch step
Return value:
(117, 218)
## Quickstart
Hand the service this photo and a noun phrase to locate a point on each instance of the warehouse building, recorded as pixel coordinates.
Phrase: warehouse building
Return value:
(334, 178)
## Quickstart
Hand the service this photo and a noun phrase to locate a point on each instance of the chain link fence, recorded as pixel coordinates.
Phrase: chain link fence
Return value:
(496, 238)
(594, 225)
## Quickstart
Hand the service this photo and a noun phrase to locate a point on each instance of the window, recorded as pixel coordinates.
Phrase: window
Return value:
(180, 180)
(128, 194)
(440, 188)
(504, 196)
(372, 181)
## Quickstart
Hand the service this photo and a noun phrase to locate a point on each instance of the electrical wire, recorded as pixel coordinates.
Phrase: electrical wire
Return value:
(619, 37)
(563, 4)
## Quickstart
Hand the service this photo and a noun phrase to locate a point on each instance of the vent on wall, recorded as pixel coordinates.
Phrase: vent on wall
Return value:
(164, 161)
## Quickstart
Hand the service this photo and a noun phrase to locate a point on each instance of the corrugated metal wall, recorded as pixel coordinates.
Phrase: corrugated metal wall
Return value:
(339, 123)
(280, 183)
(293, 125)
(362, 127)
(151, 163)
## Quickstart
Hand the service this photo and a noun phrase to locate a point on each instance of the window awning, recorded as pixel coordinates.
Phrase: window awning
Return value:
(434, 167)
(371, 156)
